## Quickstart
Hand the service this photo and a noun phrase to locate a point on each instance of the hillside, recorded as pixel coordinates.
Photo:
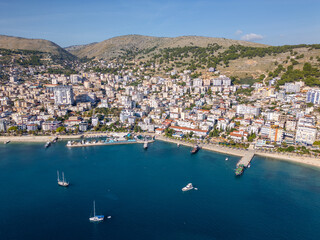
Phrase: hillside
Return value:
(117, 46)
(230, 57)
(14, 43)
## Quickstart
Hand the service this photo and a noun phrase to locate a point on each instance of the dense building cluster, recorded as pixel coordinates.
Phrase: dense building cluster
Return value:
(34, 101)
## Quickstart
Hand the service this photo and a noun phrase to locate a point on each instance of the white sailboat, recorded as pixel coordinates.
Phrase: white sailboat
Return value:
(62, 182)
(96, 218)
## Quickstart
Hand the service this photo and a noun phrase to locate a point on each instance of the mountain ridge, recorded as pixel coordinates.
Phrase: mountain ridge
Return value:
(115, 46)
(42, 45)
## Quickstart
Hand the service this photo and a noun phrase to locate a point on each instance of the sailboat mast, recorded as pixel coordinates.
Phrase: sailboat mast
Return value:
(62, 176)
(94, 208)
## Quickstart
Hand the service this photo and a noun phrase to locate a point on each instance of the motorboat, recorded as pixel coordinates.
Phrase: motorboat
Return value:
(188, 187)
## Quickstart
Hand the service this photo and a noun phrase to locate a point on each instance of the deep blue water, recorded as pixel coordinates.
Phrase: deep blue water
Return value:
(142, 191)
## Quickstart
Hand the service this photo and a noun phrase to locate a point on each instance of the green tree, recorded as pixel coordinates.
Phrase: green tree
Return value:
(61, 129)
(13, 129)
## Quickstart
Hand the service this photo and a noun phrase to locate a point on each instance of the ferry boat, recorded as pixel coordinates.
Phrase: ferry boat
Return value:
(239, 170)
(188, 187)
(96, 218)
(47, 145)
(195, 149)
(145, 145)
(62, 183)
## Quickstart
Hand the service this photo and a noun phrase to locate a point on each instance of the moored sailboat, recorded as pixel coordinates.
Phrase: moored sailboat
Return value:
(96, 218)
(62, 182)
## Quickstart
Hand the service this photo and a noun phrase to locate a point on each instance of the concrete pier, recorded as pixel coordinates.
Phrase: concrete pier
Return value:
(246, 159)
(89, 144)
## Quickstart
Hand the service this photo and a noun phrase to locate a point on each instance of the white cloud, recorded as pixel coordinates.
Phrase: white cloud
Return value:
(238, 32)
(251, 37)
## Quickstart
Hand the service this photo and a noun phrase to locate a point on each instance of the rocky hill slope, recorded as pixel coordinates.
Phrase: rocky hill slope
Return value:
(117, 46)
(8, 42)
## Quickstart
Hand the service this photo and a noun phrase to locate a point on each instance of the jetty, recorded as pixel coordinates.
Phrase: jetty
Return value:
(246, 159)
(120, 141)
(101, 143)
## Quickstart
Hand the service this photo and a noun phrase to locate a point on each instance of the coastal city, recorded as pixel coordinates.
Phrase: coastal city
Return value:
(209, 109)
(159, 120)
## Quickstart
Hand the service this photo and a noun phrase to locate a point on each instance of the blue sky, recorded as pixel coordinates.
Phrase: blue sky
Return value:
(71, 22)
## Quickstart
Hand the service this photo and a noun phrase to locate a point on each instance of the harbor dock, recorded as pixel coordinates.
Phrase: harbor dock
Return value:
(90, 144)
(246, 159)
(111, 141)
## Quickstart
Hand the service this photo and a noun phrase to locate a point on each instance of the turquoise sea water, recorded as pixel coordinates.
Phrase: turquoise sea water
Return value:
(141, 189)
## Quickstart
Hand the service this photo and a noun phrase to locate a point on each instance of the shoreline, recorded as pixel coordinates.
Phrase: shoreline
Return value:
(51, 137)
(306, 161)
(301, 160)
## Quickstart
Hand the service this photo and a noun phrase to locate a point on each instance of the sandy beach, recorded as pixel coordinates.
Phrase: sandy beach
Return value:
(35, 138)
(49, 138)
(315, 162)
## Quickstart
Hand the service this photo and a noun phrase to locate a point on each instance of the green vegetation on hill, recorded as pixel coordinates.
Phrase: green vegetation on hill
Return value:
(34, 60)
(9, 52)
(207, 56)
(310, 75)
(195, 57)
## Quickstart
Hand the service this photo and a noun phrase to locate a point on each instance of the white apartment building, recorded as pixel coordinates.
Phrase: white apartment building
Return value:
(245, 109)
(63, 95)
(3, 125)
(313, 96)
(306, 134)
(276, 134)
(292, 87)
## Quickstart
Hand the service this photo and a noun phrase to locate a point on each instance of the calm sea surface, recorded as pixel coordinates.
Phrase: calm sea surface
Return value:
(141, 190)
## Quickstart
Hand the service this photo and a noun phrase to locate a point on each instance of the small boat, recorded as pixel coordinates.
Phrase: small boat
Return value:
(145, 145)
(6, 142)
(47, 145)
(239, 170)
(249, 165)
(227, 159)
(62, 182)
(188, 187)
(195, 149)
(96, 218)
(178, 144)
